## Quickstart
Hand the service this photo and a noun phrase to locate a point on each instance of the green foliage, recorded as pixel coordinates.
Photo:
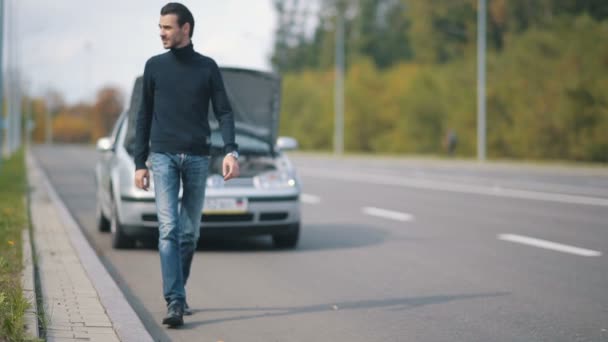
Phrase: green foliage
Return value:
(308, 108)
(441, 29)
(546, 79)
(555, 109)
(380, 32)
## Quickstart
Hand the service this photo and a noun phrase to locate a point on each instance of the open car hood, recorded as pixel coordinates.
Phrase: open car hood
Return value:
(255, 97)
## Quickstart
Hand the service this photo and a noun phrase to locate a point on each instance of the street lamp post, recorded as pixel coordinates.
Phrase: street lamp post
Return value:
(481, 81)
(7, 80)
(2, 128)
(339, 86)
(88, 48)
(16, 82)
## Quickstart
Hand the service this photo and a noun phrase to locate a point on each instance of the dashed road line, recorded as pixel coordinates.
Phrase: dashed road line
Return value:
(388, 214)
(549, 245)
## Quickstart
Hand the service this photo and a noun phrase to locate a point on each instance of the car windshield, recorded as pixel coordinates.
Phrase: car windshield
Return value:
(247, 144)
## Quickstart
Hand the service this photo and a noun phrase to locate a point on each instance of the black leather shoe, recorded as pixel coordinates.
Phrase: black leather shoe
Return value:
(175, 315)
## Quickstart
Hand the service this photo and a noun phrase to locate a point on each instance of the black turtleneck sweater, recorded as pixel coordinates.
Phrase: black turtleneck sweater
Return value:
(173, 115)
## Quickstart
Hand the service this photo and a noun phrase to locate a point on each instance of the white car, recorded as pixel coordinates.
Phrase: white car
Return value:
(263, 200)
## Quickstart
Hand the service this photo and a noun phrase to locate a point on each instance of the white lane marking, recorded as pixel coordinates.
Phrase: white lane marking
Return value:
(549, 245)
(389, 214)
(310, 199)
(453, 187)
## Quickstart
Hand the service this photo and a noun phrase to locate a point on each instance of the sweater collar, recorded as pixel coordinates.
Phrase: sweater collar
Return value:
(183, 52)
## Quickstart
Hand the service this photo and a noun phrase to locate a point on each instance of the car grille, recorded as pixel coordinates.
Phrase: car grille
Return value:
(228, 218)
(246, 217)
(273, 216)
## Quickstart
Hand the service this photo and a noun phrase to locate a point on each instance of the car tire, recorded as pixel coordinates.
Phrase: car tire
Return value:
(103, 223)
(119, 239)
(289, 239)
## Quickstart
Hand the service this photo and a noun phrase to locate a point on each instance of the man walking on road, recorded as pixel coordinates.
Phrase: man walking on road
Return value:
(173, 133)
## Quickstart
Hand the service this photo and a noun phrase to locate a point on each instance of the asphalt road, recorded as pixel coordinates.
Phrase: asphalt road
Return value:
(391, 250)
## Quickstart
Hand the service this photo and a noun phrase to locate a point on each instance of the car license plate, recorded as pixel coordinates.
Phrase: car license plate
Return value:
(225, 205)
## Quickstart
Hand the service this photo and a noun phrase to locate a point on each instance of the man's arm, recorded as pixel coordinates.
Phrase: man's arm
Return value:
(222, 109)
(225, 117)
(144, 120)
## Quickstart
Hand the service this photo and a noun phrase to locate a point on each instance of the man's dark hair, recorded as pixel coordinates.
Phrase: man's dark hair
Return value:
(182, 12)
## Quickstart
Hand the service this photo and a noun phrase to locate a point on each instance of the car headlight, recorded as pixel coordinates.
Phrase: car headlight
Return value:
(274, 180)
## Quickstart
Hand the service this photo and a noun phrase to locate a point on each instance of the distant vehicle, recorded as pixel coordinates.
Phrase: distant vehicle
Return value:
(263, 200)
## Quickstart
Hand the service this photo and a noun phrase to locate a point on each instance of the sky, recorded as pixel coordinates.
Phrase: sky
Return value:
(78, 46)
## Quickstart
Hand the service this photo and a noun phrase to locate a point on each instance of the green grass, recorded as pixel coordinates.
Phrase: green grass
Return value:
(13, 219)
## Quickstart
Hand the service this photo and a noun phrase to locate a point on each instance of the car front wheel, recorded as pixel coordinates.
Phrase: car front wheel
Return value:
(103, 223)
(288, 239)
(119, 239)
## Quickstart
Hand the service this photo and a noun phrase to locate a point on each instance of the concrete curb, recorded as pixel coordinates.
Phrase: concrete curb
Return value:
(29, 287)
(125, 321)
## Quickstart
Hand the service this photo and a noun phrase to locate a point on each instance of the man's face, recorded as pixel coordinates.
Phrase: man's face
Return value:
(170, 33)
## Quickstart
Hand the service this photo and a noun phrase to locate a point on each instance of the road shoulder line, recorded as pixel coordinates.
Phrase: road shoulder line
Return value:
(428, 184)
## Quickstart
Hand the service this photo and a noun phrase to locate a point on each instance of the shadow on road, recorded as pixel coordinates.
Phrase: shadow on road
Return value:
(314, 237)
(393, 304)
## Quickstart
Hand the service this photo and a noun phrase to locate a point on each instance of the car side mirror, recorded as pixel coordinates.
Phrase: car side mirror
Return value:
(104, 144)
(287, 144)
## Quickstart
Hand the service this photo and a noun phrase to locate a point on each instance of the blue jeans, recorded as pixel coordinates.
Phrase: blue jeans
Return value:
(179, 226)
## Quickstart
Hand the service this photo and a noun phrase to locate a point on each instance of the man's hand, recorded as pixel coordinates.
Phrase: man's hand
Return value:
(230, 167)
(142, 179)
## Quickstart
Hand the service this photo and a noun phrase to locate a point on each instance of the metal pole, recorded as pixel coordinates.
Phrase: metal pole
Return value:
(29, 126)
(17, 130)
(2, 123)
(9, 77)
(88, 63)
(11, 87)
(481, 81)
(339, 86)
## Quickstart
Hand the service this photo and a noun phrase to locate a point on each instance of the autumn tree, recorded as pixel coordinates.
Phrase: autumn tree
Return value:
(107, 108)
(38, 112)
(72, 124)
